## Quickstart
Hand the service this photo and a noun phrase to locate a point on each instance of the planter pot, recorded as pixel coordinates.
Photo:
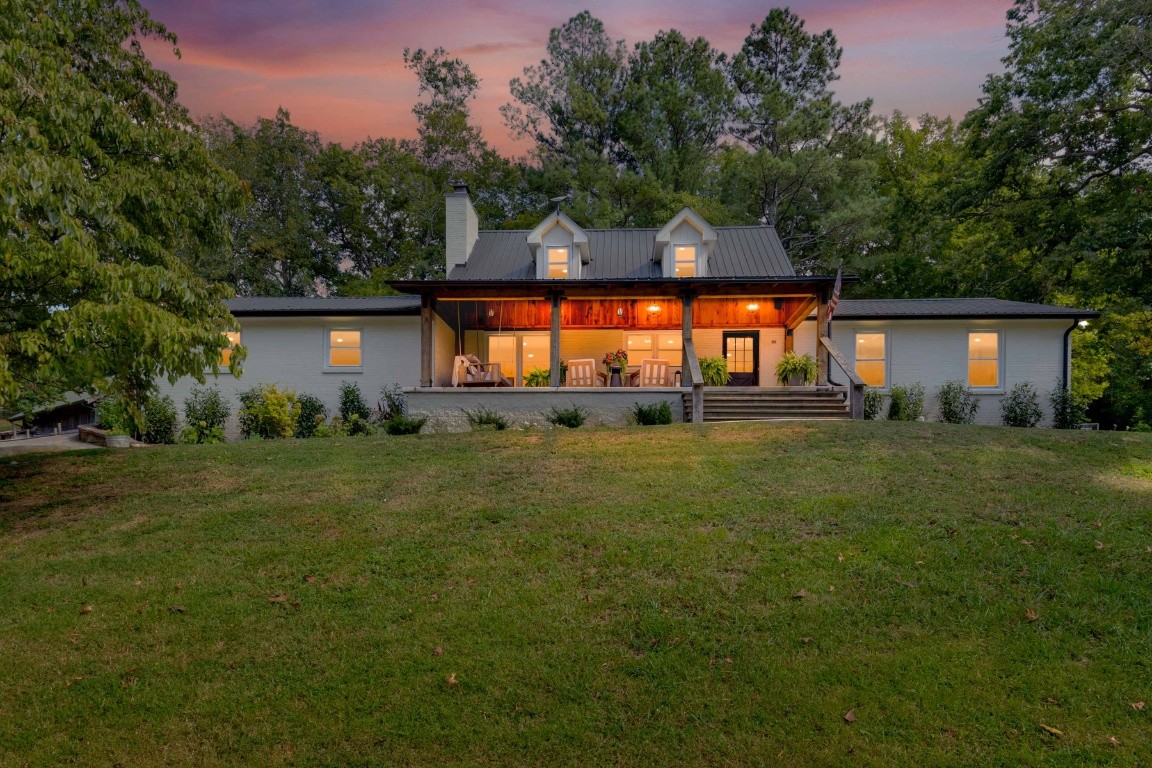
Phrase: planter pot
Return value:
(797, 380)
(118, 441)
(615, 380)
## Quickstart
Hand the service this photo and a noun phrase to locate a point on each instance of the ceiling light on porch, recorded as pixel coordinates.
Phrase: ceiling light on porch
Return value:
(619, 311)
(753, 307)
(653, 307)
(491, 313)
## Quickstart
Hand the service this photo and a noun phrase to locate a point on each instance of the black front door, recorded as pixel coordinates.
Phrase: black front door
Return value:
(742, 351)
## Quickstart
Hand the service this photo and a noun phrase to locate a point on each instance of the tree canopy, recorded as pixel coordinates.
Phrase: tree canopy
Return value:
(107, 189)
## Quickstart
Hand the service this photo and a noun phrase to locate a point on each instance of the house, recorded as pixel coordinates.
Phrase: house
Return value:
(518, 307)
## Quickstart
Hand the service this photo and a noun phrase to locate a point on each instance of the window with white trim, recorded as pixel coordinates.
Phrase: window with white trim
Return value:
(872, 358)
(226, 353)
(558, 262)
(344, 348)
(984, 359)
(684, 260)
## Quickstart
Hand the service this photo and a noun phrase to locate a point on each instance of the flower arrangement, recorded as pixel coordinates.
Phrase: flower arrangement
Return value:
(619, 357)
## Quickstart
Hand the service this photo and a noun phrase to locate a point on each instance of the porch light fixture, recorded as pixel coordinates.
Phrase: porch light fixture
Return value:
(778, 303)
(491, 313)
(753, 307)
(619, 311)
(653, 307)
(1083, 324)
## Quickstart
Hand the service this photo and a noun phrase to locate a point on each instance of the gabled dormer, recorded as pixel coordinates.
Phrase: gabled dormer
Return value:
(684, 244)
(559, 247)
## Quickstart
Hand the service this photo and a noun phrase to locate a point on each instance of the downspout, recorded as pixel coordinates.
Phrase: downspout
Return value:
(1068, 356)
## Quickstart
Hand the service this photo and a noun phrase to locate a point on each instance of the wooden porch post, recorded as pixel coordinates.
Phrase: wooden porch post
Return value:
(427, 340)
(554, 363)
(822, 332)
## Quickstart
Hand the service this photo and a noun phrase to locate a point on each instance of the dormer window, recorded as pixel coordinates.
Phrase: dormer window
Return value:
(558, 260)
(685, 265)
(683, 244)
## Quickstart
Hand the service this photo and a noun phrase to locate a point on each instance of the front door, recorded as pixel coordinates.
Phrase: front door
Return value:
(742, 351)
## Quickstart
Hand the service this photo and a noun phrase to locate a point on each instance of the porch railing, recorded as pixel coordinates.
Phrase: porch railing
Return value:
(856, 388)
(696, 380)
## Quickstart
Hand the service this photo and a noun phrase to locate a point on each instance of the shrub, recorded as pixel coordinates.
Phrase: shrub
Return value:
(906, 403)
(656, 413)
(567, 417)
(206, 412)
(873, 402)
(392, 403)
(354, 410)
(538, 377)
(715, 371)
(160, 420)
(114, 416)
(400, 424)
(1067, 409)
(312, 414)
(957, 403)
(482, 418)
(1021, 407)
(268, 412)
(792, 364)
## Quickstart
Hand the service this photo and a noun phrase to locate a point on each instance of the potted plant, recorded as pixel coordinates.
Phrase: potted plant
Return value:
(796, 370)
(715, 371)
(614, 363)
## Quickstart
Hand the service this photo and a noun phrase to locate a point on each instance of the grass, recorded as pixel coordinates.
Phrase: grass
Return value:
(649, 596)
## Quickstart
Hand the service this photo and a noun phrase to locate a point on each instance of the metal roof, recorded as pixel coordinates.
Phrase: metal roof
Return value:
(877, 309)
(325, 305)
(627, 254)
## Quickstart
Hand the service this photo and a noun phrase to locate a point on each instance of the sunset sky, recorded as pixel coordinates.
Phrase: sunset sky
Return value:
(336, 64)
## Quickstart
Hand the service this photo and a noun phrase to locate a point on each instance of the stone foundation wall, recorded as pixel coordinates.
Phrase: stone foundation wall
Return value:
(529, 407)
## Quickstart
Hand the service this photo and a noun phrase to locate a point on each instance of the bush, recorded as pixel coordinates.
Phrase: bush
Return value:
(957, 403)
(206, 413)
(649, 415)
(567, 417)
(482, 418)
(312, 414)
(1021, 407)
(354, 411)
(113, 415)
(792, 364)
(391, 404)
(400, 424)
(160, 420)
(906, 403)
(1068, 410)
(268, 412)
(714, 370)
(873, 403)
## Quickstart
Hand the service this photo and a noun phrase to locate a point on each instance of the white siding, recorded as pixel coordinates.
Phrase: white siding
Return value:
(290, 352)
(932, 352)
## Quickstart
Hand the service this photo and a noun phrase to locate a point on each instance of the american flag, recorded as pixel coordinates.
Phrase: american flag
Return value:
(832, 302)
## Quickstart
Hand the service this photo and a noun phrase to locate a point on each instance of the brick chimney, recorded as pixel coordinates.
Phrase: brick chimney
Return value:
(461, 226)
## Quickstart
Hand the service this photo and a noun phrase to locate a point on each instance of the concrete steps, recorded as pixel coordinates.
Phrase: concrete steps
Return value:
(770, 403)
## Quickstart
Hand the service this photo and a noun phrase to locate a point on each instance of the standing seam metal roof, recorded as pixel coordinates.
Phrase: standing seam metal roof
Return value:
(628, 254)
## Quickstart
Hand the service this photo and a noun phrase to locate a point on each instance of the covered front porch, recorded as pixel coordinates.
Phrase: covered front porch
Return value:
(527, 335)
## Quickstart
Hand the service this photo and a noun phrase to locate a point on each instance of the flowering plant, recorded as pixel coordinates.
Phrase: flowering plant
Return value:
(619, 357)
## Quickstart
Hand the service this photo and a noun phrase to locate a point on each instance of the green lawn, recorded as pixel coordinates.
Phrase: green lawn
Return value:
(647, 596)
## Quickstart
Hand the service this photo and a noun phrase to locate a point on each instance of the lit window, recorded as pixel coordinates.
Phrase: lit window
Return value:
(226, 353)
(344, 348)
(557, 263)
(984, 358)
(684, 260)
(871, 350)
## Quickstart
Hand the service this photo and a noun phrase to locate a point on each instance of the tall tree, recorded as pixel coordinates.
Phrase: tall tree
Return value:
(106, 182)
(807, 161)
(279, 245)
(676, 104)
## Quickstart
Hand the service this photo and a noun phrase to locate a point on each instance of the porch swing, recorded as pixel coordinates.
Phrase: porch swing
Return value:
(467, 370)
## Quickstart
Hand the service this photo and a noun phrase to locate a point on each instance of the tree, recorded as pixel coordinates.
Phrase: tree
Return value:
(805, 162)
(279, 246)
(676, 104)
(106, 183)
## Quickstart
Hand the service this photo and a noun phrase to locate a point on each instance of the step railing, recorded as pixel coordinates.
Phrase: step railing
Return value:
(856, 388)
(695, 381)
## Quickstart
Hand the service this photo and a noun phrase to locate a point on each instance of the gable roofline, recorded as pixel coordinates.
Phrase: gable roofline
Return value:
(559, 219)
(686, 214)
